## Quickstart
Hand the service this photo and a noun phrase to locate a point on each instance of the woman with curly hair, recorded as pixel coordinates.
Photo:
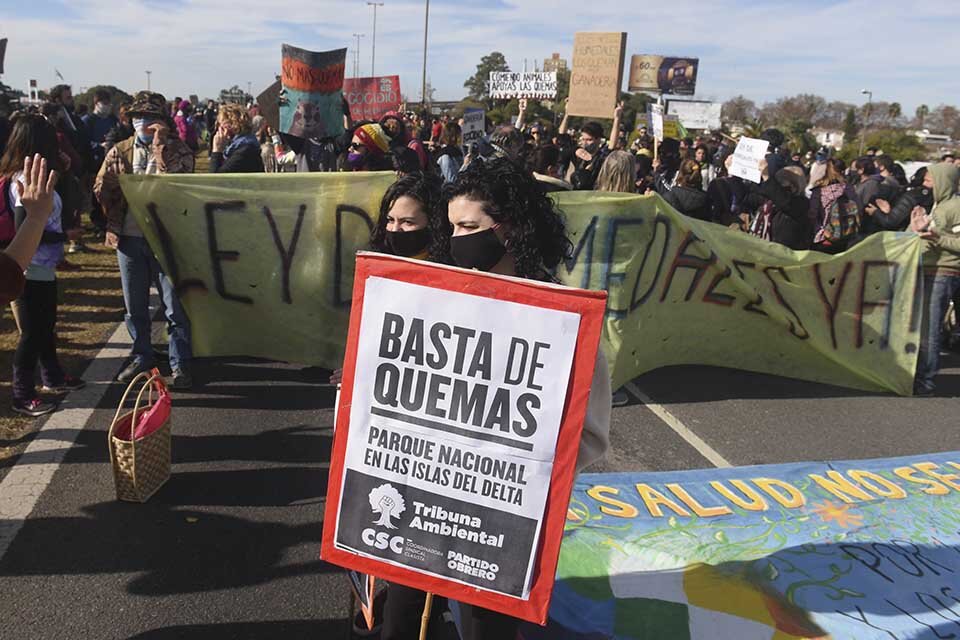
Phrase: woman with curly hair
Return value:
(502, 222)
(410, 216)
(235, 149)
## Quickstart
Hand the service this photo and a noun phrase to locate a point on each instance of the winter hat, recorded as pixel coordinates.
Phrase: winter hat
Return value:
(374, 138)
(184, 105)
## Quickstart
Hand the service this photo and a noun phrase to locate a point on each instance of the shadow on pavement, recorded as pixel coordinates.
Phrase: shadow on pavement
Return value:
(691, 384)
(287, 629)
(303, 443)
(165, 550)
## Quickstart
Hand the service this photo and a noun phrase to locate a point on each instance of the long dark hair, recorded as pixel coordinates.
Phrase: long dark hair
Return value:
(31, 134)
(536, 235)
(425, 189)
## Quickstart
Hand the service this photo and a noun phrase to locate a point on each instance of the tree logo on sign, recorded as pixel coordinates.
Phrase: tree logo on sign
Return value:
(388, 502)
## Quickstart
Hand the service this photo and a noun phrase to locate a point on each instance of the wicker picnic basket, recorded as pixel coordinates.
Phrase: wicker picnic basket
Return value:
(139, 440)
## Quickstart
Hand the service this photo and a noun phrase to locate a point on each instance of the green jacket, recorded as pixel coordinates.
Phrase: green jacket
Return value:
(944, 252)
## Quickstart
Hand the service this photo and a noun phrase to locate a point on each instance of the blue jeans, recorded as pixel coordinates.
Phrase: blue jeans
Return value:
(138, 269)
(937, 293)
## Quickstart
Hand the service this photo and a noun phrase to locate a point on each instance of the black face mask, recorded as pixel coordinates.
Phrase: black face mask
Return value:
(481, 250)
(407, 243)
(592, 148)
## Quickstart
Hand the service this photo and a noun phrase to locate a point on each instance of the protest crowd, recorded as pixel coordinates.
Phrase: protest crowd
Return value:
(480, 205)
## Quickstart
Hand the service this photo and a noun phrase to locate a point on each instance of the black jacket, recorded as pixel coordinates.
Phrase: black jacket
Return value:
(791, 225)
(899, 217)
(244, 159)
(689, 201)
(726, 200)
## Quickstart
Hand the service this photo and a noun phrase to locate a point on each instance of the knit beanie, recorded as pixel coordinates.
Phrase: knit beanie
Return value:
(374, 138)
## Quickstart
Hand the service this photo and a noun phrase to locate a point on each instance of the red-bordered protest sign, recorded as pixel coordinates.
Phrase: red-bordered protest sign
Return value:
(459, 423)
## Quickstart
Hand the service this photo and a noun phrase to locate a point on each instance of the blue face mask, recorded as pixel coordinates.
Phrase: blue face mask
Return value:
(139, 125)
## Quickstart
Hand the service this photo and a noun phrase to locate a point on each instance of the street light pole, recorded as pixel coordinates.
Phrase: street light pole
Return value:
(423, 87)
(148, 80)
(356, 55)
(866, 124)
(373, 58)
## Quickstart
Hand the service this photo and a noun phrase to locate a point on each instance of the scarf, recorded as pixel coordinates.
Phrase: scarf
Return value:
(144, 160)
(828, 195)
(239, 141)
(762, 223)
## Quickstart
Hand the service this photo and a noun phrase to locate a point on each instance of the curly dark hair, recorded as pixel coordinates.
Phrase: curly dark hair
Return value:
(536, 235)
(425, 188)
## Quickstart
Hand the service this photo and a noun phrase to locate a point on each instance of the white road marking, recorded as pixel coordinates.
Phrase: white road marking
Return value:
(22, 487)
(681, 429)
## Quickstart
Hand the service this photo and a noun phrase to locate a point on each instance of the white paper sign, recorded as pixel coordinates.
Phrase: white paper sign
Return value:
(455, 415)
(696, 115)
(656, 120)
(505, 85)
(473, 121)
(747, 157)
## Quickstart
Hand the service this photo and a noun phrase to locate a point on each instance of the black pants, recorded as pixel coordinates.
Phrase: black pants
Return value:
(404, 608)
(36, 311)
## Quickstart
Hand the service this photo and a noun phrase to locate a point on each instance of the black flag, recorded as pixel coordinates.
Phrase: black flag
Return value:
(3, 52)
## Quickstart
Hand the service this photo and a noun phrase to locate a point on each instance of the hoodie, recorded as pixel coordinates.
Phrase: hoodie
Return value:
(942, 255)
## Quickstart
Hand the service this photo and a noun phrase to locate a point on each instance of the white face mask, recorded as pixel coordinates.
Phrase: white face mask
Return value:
(102, 109)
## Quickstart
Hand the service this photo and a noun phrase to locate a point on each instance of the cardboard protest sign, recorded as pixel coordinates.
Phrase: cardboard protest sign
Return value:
(372, 98)
(505, 85)
(863, 549)
(695, 114)
(462, 403)
(261, 260)
(663, 75)
(269, 103)
(312, 92)
(747, 157)
(597, 74)
(656, 119)
(474, 121)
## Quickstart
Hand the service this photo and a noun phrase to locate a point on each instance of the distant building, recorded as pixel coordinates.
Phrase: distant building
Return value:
(554, 63)
(829, 137)
(933, 139)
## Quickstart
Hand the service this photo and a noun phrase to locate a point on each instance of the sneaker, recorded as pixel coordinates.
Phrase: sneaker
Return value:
(131, 371)
(181, 380)
(620, 398)
(76, 247)
(34, 407)
(69, 383)
(921, 391)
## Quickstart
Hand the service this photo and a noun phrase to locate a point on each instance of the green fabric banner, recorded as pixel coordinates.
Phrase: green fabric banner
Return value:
(264, 267)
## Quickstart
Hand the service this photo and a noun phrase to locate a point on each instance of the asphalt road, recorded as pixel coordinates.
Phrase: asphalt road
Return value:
(229, 547)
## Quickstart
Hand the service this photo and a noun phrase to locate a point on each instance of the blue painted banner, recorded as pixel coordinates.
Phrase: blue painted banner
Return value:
(857, 549)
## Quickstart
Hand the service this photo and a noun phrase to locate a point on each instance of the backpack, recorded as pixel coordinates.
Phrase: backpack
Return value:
(8, 228)
(841, 220)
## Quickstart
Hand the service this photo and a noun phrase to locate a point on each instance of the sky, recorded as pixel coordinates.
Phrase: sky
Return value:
(903, 51)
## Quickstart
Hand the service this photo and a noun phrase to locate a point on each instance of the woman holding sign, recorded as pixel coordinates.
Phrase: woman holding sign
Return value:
(410, 218)
(501, 222)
